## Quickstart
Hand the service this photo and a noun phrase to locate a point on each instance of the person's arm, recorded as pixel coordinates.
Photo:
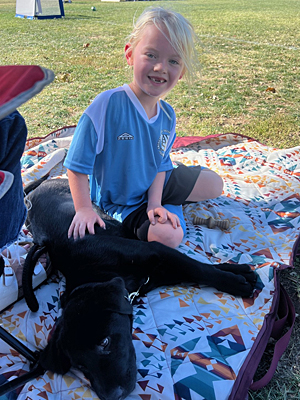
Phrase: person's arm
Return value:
(85, 217)
(154, 207)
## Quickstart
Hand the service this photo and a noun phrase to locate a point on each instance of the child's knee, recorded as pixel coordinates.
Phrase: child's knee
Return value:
(217, 186)
(165, 234)
(209, 185)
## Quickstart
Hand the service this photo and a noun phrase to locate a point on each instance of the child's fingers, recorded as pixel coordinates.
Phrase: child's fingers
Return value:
(162, 215)
(151, 217)
(91, 228)
(101, 223)
(81, 230)
(174, 220)
(163, 219)
(79, 226)
(75, 232)
(71, 230)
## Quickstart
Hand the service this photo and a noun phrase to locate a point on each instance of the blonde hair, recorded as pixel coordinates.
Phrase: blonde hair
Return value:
(180, 34)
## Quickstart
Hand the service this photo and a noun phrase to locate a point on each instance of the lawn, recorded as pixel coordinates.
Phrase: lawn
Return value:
(249, 51)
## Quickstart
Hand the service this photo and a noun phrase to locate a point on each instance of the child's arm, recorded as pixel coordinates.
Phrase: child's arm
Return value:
(154, 203)
(85, 217)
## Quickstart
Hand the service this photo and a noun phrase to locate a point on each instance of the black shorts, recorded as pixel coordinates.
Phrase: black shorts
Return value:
(179, 183)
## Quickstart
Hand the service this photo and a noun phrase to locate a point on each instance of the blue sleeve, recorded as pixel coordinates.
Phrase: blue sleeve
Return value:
(166, 163)
(82, 152)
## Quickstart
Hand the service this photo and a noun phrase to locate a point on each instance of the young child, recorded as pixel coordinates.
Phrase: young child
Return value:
(124, 138)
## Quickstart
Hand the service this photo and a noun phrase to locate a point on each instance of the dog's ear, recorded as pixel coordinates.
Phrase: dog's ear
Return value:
(111, 295)
(116, 298)
(121, 306)
(53, 358)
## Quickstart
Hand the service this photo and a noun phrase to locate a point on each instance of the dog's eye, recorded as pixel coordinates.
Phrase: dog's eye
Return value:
(105, 342)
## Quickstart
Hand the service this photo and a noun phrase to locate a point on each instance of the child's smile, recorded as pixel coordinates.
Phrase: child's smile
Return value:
(157, 80)
(156, 67)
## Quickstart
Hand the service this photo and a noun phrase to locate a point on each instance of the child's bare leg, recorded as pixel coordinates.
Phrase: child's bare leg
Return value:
(209, 185)
(165, 234)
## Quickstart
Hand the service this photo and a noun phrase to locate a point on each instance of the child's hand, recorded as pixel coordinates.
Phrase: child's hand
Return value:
(163, 215)
(84, 219)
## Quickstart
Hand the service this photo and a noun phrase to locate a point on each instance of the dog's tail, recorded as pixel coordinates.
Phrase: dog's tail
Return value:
(33, 185)
(1, 265)
(33, 255)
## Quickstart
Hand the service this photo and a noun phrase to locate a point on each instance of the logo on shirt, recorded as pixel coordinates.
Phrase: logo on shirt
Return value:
(125, 136)
(163, 141)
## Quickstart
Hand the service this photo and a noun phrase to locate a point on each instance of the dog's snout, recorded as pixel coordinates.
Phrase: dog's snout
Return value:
(119, 394)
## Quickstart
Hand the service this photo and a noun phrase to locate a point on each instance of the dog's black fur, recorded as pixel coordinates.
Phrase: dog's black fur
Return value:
(94, 331)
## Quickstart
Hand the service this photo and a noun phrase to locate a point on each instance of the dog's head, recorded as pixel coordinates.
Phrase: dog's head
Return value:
(94, 335)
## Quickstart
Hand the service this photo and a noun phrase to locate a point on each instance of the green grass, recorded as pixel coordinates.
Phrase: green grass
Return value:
(246, 47)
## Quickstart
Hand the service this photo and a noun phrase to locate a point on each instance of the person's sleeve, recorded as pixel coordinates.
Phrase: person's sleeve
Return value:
(166, 163)
(82, 152)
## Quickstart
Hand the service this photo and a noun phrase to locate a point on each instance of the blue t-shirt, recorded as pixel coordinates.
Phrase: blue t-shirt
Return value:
(121, 149)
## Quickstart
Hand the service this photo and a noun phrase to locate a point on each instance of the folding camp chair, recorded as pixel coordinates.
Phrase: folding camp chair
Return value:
(18, 84)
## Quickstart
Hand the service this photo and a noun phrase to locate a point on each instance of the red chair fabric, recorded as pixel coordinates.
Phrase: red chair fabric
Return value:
(19, 83)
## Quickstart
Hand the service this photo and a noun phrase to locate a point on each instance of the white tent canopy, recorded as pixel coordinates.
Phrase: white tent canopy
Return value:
(39, 9)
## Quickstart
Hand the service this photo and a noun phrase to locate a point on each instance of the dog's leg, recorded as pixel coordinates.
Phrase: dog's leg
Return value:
(133, 260)
(170, 267)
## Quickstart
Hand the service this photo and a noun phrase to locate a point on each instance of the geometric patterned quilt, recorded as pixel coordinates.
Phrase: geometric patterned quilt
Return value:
(191, 341)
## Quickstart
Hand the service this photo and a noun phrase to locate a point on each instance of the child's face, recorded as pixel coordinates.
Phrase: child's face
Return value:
(156, 65)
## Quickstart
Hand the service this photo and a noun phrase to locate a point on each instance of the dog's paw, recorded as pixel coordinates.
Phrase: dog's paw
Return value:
(249, 274)
(237, 280)
(241, 269)
(244, 287)
(238, 286)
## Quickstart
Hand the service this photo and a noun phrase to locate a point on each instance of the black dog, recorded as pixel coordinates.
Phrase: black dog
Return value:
(94, 332)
